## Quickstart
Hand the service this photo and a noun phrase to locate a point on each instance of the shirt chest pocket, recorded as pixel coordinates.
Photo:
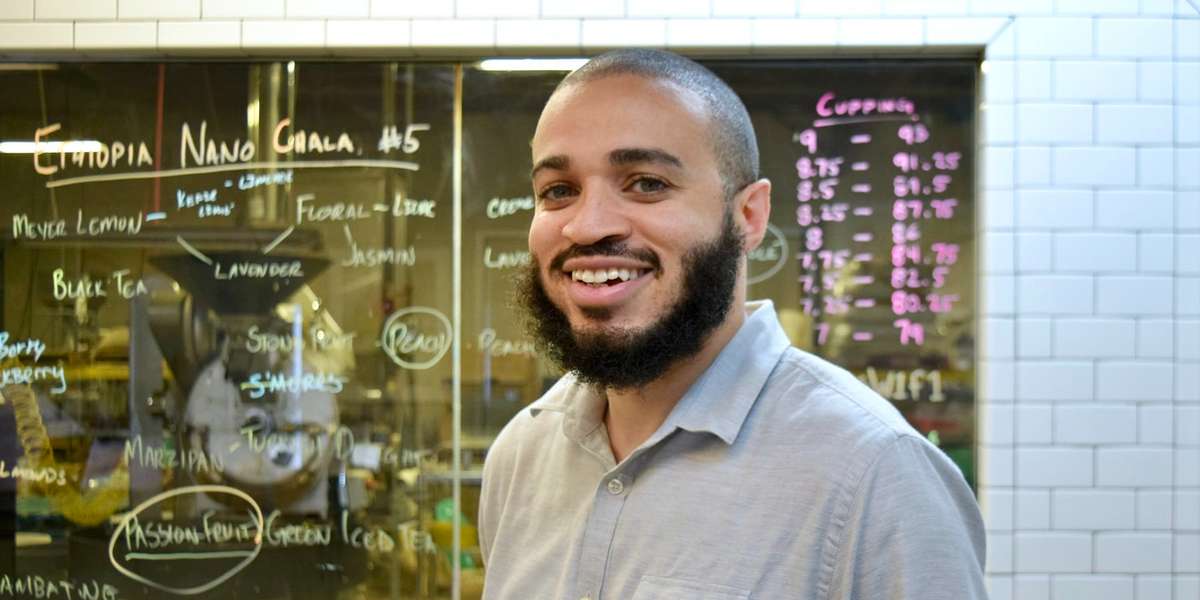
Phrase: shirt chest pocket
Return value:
(665, 588)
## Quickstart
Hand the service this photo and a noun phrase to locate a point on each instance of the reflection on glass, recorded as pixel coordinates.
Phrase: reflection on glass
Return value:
(228, 291)
(869, 256)
(225, 330)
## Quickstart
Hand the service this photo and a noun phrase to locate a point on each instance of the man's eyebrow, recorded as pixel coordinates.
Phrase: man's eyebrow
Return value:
(622, 157)
(558, 162)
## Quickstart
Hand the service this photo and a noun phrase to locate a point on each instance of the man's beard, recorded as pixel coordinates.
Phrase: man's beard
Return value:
(626, 358)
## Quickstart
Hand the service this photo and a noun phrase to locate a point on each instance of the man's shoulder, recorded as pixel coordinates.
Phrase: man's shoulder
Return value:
(820, 399)
(531, 426)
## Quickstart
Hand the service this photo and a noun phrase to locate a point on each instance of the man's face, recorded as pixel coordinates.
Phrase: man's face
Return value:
(630, 226)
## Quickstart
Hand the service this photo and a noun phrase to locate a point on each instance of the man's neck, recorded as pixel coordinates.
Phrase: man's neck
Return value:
(633, 415)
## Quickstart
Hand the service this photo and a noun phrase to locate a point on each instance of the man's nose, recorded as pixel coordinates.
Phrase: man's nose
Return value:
(597, 215)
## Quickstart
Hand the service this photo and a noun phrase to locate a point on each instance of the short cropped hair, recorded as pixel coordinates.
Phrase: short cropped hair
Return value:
(730, 131)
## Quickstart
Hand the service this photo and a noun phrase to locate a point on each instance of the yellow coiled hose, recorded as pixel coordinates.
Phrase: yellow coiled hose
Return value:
(88, 508)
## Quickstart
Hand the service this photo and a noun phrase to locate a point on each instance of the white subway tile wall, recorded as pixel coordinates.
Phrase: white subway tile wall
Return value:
(1031, 587)
(999, 123)
(1054, 123)
(1089, 377)
(75, 10)
(1054, 37)
(311, 9)
(1155, 254)
(1133, 467)
(960, 31)
(1155, 338)
(1000, 253)
(1156, 167)
(1091, 7)
(461, 33)
(1054, 467)
(283, 34)
(1134, 124)
(413, 9)
(998, 586)
(1052, 552)
(845, 8)
(1034, 338)
(881, 32)
(1188, 340)
(1032, 509)
(1095, 424)
(31, 36)
(998, 509)
(1133, 38)
(158, 9)
(1094, 510)
(1055, 208)
(258, 9)
(591, 8)
(753, 8)
(693, 33)
(1156, 80)
(1011, 7)
(1094, 587)
(1154, 509)
(667, 8)
(1055, 294)
(199, 34)
(1034, 425)
(1133, 552)
(1034, 251)
(1095, 81)
(1187, 511)
(114, 36)
(1134, 380)
(1033, 166)
(1095, 252)
(475, 9)
(784, 33)
(1155, 423)
(533, 33)
(16, 10)
(996, 425)
(1000, 553)
(373, 33)
(613, 33)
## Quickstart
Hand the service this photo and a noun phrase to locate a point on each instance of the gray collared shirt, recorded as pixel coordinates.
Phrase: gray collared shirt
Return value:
(777, 475)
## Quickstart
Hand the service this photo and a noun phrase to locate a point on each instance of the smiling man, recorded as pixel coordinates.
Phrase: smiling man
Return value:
(690, 451)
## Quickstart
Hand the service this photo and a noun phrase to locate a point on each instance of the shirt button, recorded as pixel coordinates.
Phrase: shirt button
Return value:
(615, 487)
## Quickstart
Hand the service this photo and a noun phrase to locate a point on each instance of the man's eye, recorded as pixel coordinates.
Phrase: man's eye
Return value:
(555, 192)
(648, 185)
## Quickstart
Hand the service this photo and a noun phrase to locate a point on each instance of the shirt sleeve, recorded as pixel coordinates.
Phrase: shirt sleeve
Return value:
(910, 530)
(484, 522)
(493, 489)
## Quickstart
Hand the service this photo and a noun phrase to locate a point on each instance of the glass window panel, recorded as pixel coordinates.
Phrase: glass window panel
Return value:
(246, 353)
(229, 295)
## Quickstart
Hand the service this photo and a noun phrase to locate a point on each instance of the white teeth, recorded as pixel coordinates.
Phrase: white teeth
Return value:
(601, 276)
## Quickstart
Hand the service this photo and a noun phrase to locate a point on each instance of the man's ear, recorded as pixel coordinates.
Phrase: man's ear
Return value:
(752, 211)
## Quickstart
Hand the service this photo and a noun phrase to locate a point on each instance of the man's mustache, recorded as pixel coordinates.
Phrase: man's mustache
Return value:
(605, 248)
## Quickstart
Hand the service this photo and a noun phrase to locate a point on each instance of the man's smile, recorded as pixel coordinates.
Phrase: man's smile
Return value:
(604, 281)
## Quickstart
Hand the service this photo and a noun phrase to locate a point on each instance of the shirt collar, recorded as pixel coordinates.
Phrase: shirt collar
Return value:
(717, 402)
(582, 406)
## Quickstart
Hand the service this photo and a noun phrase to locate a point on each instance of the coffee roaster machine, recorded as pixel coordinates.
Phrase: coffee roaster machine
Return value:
(218, 432)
